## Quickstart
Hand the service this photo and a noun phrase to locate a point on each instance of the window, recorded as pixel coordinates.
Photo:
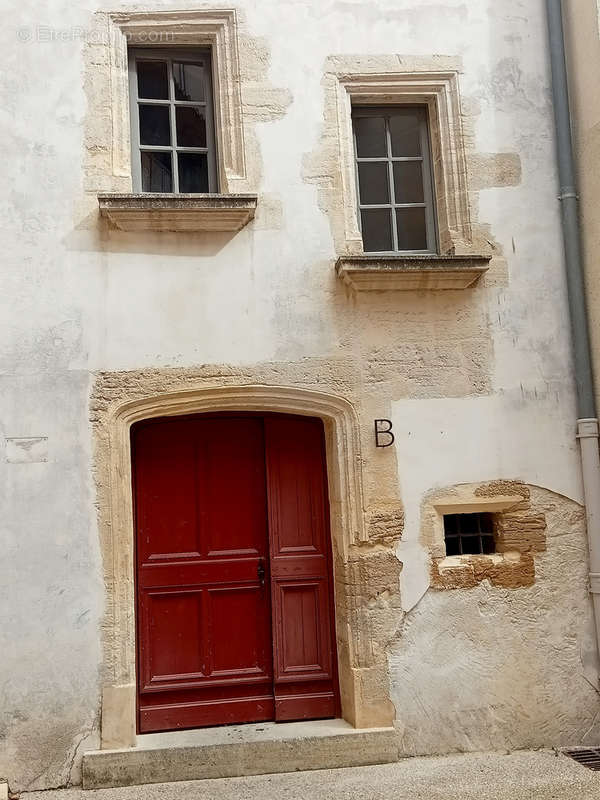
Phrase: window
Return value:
(172, 129)
(394, 178)
(469, 534)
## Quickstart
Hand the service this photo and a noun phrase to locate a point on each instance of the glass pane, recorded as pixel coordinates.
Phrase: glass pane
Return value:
(452, 546)
(189, 81)
(153, 82)
(156, 172)
(371, 139)
(405, 134)
(373, 182)
(449, 524)
(191, 126)
(408, 182)
(488, 544)
(412, 231)
(470, 545)
(486, 523)
(193, 172)
(376, 230)
(469, 523)
(154, 125)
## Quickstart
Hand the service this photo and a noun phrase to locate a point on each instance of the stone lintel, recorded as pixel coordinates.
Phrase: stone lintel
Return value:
(377, 272)
(178, 212)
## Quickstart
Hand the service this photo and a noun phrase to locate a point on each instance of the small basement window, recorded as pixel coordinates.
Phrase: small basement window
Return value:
(469, 534)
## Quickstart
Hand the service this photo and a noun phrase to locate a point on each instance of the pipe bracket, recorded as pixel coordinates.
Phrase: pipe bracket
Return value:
(568, 196)
(595, 582)
(587, 428)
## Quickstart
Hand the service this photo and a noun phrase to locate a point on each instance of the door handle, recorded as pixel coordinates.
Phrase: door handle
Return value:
(261, 573)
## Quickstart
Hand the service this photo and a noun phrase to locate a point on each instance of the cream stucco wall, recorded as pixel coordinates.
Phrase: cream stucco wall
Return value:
(477, 382)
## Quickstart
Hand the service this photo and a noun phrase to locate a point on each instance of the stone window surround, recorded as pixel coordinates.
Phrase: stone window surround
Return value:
(214, 28)
(439, 91)
(343, 454)
(511, 566)
(474, 505)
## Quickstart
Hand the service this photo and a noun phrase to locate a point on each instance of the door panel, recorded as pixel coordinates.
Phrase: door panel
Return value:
(305, 679)
(174, 622)
(305, 647)
(166, 519)
(237, 639)
(204, 631)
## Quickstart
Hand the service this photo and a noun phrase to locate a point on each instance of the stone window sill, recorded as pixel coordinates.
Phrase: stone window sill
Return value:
(466, 561)
(368, 273)
(178, 212)
(510, 570)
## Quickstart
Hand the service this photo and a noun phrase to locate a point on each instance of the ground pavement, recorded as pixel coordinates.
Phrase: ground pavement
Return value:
(524, 775)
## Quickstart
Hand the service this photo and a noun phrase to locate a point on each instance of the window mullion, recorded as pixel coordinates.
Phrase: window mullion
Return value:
(392, 193)
(428, 189)
(174, 162)
(357, 180)
(136, 166)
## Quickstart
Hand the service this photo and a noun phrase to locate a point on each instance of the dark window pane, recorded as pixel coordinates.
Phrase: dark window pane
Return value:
(154, 125)
(373, 182)
(371, 140)
(408, 182)
(156, 172)
(450, 523)
(412, 232)
(469, 523)
(489, 546)
(189, 81)
(376, 230)
(153, 82)
(191, 126)
(470, 545)
(487, 523)
(193, 172)
(452, 546)
(405, 134)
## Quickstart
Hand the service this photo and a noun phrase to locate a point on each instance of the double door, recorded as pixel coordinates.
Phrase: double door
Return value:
(234, 577)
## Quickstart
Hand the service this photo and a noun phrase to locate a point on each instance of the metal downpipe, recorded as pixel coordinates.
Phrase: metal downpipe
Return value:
(587, 422)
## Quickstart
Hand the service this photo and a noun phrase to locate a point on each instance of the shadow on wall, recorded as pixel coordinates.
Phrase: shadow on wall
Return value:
(95, 234)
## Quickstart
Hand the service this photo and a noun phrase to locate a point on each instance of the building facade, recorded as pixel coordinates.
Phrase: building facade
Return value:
(286, 349)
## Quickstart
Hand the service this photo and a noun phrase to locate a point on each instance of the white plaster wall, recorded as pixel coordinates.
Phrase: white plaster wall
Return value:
(74, 301)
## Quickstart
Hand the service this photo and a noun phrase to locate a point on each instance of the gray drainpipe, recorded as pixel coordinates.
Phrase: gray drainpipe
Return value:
(587, 422)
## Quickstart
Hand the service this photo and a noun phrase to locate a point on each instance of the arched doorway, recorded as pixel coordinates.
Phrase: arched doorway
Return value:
(234, 588)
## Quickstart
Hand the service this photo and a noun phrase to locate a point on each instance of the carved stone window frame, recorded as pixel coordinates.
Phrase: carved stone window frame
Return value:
(216, 29)
(439, 92)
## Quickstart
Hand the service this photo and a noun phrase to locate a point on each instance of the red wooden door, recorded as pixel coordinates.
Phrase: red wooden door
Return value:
(234, 594)
(305, 675)
(204, 632)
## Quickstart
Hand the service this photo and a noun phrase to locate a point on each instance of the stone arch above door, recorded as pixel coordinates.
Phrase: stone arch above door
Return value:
(364, 682)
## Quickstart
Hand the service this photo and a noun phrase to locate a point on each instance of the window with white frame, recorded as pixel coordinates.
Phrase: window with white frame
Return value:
(172, 128)
(394, 179)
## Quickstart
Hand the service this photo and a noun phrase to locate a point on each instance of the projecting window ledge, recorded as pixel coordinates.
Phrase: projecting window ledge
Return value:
(399, 272)
(178, 212)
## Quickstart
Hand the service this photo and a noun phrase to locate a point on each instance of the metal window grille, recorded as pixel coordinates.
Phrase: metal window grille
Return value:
(394, 179)
(469, 534)
(172, 126)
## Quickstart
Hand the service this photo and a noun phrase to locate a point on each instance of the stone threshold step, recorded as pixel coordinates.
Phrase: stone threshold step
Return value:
(231, 752)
